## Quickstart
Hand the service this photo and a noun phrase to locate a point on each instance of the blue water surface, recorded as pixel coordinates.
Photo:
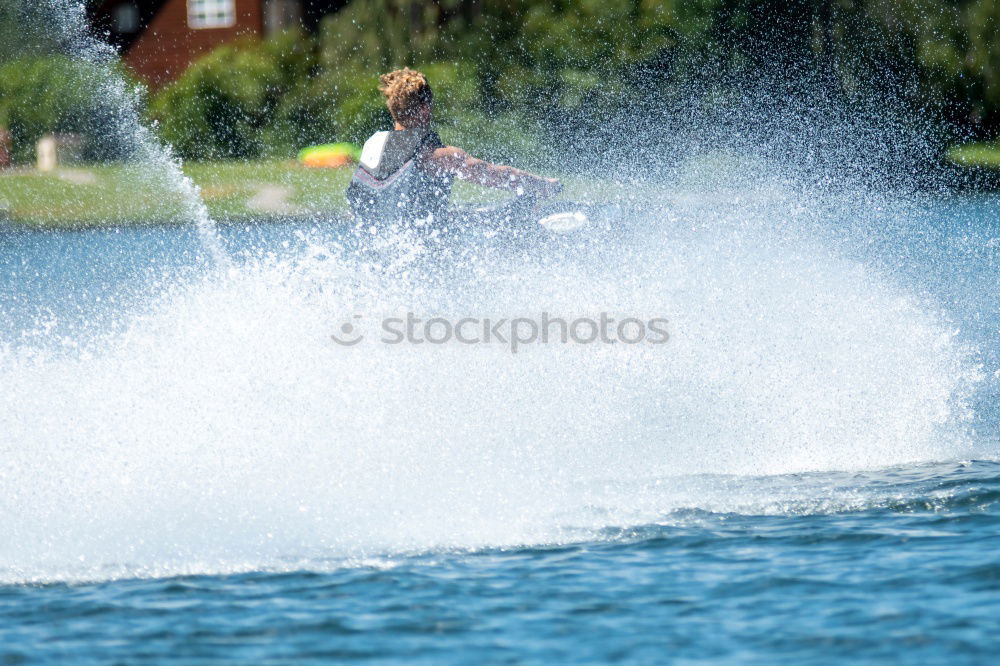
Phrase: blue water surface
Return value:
(916, 581)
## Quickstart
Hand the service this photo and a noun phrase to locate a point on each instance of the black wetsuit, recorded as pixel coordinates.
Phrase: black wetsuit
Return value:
(393, 183)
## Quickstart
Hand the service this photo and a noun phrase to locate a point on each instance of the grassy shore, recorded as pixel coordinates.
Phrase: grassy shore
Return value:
(975, 155)
(113, 195)
(128, 194)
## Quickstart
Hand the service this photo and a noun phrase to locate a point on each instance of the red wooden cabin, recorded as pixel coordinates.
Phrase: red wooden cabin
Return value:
(158, 39)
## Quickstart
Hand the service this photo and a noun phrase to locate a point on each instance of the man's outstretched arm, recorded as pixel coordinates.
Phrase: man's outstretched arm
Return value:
(464, 166)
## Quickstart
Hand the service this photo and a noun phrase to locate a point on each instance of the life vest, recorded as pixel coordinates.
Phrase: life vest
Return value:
(392, 182)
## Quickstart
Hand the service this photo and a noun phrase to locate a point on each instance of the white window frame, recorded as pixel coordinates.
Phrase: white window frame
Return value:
(126, 18)
(209, 14)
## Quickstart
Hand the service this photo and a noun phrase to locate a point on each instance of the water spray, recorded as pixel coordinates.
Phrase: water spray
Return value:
(122, 103)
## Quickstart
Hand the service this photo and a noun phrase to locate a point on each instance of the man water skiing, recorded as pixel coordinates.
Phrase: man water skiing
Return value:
(406, 174)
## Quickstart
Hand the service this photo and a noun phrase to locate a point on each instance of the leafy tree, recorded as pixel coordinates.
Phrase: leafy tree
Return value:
(54, 93)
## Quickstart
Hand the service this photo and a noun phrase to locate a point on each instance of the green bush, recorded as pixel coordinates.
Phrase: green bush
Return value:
(44, 95)
(224, 105)
(332, 106)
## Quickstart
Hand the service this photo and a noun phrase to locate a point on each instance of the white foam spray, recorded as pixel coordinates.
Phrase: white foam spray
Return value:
(153, 159)
(224, 430)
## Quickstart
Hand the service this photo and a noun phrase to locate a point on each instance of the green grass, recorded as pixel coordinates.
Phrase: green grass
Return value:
(72, 198)
(110, 195)
(123, 194)
(982, 155)
(228, 188)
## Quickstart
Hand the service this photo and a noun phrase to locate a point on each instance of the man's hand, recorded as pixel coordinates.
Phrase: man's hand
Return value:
(548, 187)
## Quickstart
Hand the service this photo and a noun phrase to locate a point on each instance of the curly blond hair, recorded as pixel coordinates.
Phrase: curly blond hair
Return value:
(406, 91)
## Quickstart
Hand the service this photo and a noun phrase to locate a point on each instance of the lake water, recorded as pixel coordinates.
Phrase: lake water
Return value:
(808, 471)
